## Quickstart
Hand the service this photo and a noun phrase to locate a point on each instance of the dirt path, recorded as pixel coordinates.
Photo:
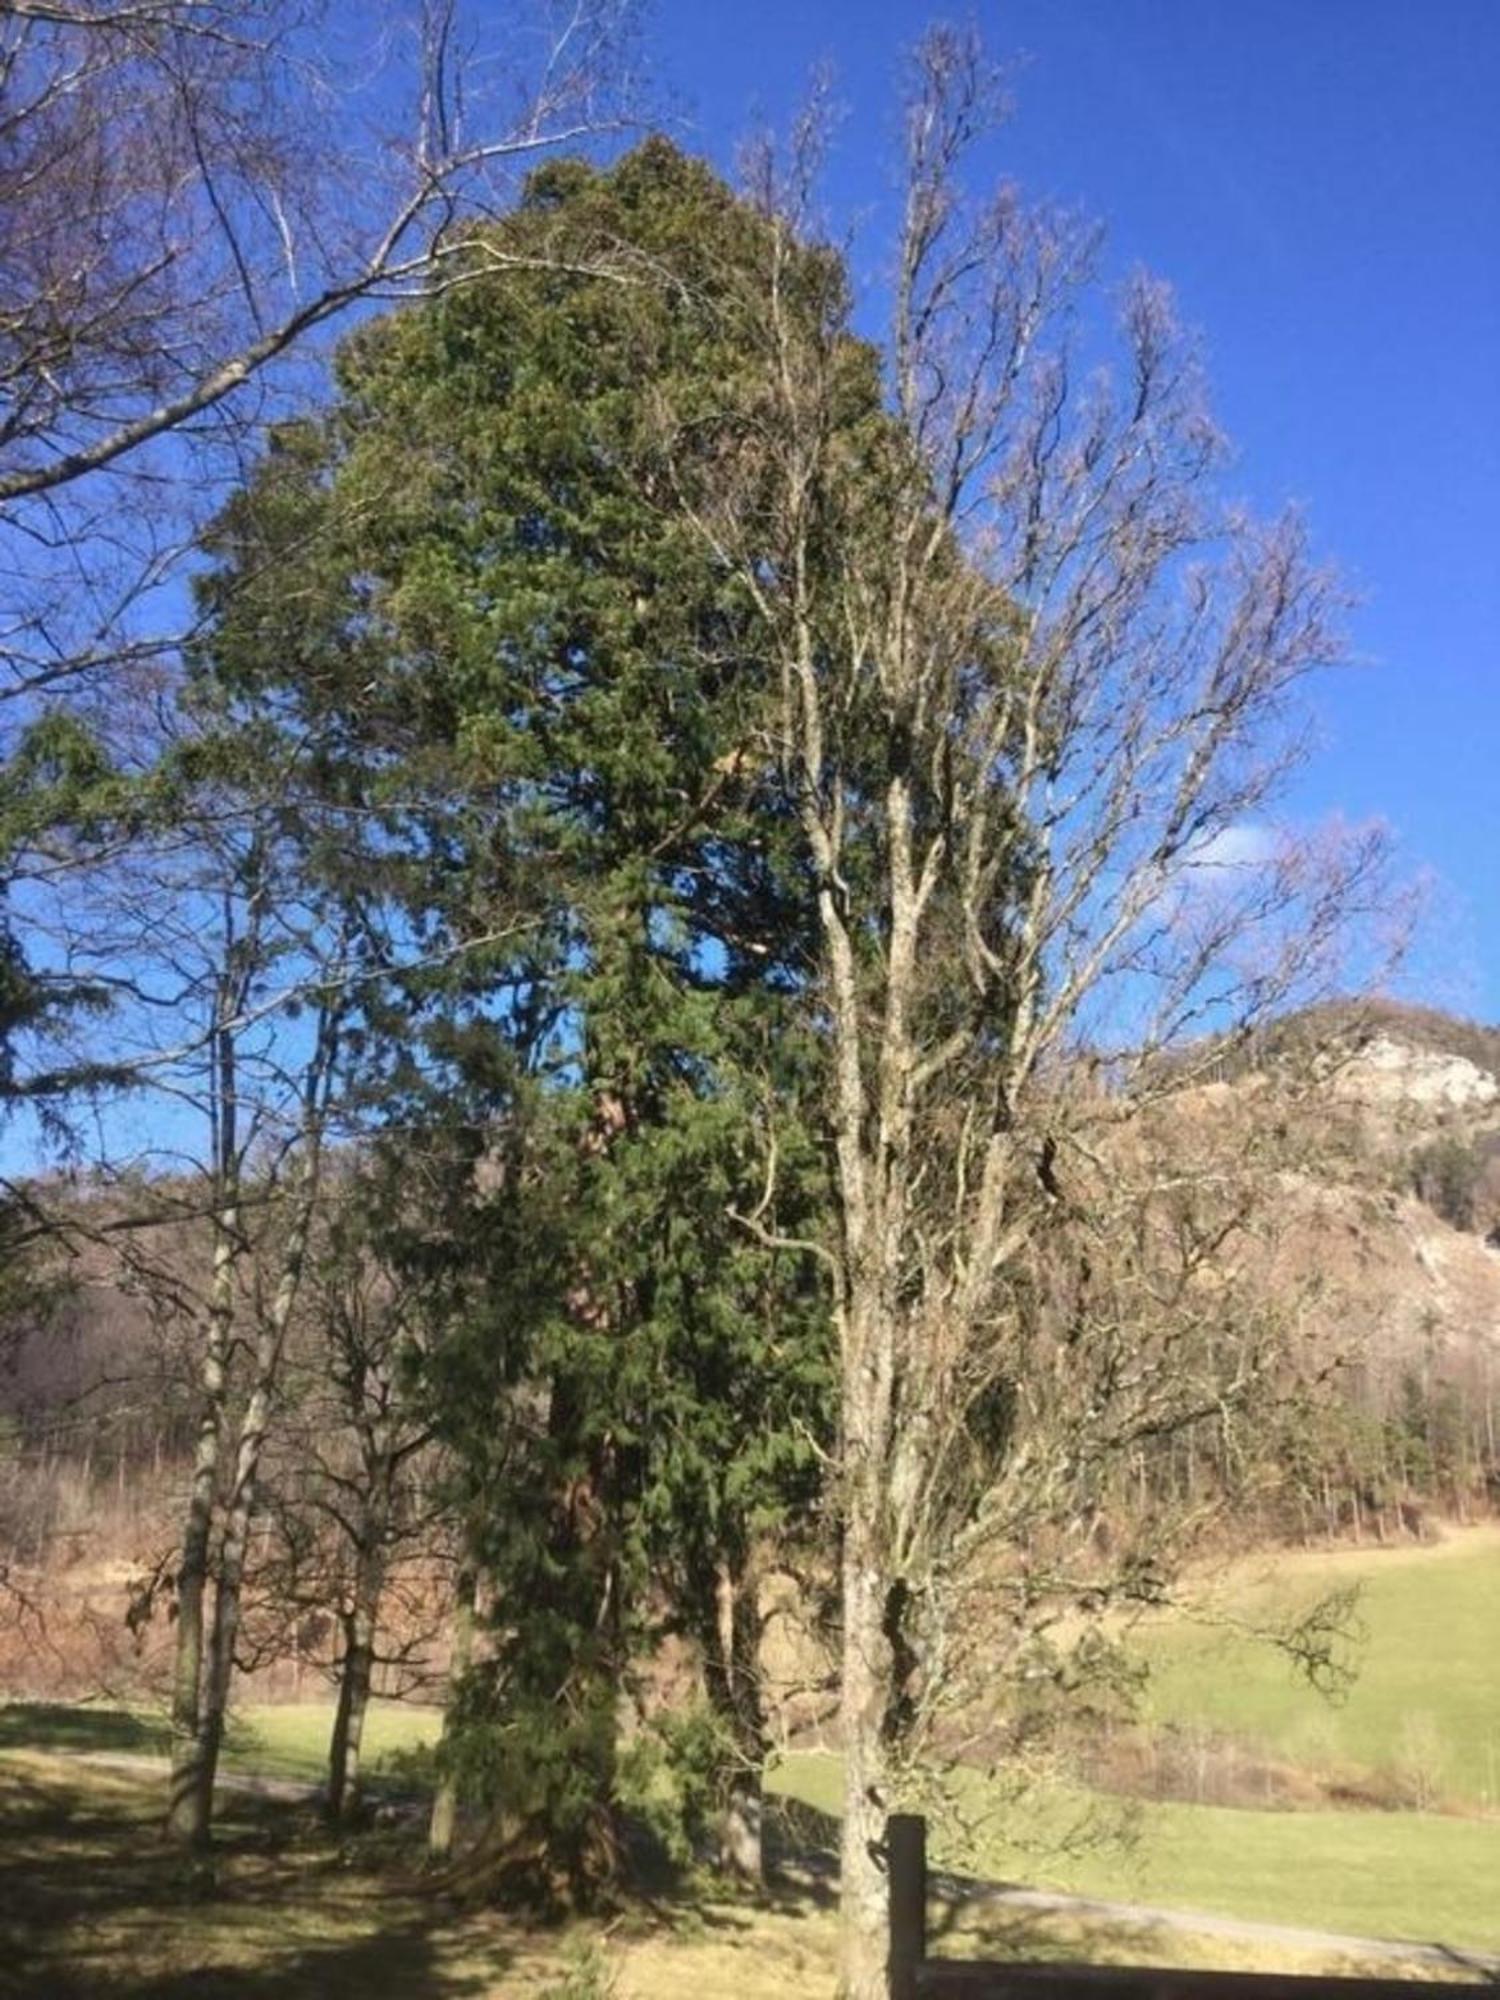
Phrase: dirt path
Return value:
(136, 1764)
(1198, 1923)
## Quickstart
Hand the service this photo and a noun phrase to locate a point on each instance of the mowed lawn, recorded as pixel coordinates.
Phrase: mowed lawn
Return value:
(1426, 1697)
(1421, 1877)
(272, 1739)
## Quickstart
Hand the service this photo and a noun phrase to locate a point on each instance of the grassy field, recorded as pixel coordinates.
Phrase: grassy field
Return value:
(297, 1915)
(95, 1905)
(1417, 1876)
(1426, 1700)
(279, 1740)
(290, 1739)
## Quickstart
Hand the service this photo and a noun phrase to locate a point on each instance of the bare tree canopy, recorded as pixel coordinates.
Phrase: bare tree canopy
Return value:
(189, 191)
(1034, 695)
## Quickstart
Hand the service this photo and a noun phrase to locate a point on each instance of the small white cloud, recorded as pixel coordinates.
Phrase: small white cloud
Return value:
(1241, 846)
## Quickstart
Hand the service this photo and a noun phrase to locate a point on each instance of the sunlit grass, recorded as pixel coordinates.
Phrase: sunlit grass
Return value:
(272, 1739)
(1418, 1876)
(1426, 1697)
(290, 1739)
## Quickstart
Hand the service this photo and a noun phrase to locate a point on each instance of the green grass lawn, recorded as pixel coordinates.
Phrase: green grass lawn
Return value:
(274, 1739)
(290, 1739)
(1427, 1694)
(1428, 1687)
(1418, 1876)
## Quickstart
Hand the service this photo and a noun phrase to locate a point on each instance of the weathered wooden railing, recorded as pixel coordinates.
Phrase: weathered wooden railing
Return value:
(915, 1976)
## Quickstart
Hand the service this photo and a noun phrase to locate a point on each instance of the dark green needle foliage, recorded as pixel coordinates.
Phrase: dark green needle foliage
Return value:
(478, 601)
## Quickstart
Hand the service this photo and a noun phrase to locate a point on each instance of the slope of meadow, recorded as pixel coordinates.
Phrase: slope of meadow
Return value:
(1424, 1701)
(1424, 1706)
(1422, 1877)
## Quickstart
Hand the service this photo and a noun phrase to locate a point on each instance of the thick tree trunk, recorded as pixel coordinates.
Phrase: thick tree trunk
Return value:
(349, 1721)
(864, 1889)
(732, 1676)
(742, 1830)
(440, 1828)
(362, 1672)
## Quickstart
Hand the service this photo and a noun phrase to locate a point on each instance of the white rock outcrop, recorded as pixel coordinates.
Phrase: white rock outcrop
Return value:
(1389, 1071)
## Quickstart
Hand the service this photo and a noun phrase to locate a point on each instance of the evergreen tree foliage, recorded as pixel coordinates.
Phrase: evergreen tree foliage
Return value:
(475, 597)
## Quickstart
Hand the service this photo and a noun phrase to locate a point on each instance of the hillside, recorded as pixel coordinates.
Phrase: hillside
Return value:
(1386, 1229)
(1405, 1212)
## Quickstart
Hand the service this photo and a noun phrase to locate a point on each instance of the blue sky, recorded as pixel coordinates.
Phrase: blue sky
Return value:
(1320, 180)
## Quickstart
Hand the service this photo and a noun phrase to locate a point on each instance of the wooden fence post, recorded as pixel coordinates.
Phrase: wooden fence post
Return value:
(906, 1868)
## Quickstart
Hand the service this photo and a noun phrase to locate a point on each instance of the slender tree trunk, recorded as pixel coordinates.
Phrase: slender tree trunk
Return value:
(441, 1826)
(190, 1793)
(243, 1494)
(359, 1652)
(867, 1666)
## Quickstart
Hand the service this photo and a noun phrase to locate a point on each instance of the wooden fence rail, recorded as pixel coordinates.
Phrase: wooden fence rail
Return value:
(915, 1976)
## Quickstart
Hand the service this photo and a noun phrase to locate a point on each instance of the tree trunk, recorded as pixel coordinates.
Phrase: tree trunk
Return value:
(349, 1720)
(220, 1671)
(742, 1829)
(190, 1788)
(359, 1651)
(440, 1827)
(732, 1676)
(243, 1493)
(864, 1888)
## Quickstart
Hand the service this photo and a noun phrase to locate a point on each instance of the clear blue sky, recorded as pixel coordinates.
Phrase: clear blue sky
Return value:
(1320, 180)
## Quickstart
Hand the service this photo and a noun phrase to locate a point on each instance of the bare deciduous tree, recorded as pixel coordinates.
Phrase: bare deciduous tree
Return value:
(360, 1532)
(1036, 693)
(191, 192)
(214, 1082)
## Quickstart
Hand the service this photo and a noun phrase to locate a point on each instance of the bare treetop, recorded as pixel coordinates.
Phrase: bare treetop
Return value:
(190, 192)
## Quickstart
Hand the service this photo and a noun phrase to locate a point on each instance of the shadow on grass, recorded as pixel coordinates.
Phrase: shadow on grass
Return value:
(47, 1725)
(396, 1961)
(94, 1903)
